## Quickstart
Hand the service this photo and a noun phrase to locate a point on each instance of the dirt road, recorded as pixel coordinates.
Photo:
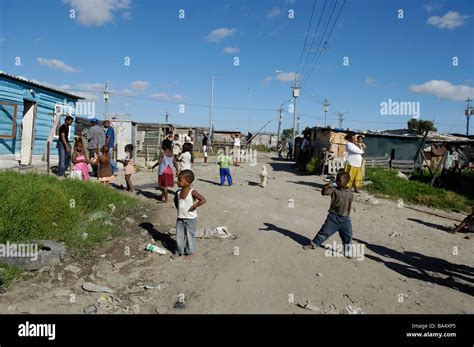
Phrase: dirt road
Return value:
(420, 268)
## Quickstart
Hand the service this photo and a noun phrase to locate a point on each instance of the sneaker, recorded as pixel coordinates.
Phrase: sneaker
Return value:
(310, 245)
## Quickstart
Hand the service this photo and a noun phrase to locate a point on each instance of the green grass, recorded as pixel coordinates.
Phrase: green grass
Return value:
(385, 182)
(10, 274)
(35, 207)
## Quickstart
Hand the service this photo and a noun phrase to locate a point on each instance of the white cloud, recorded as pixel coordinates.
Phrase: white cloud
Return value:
(93, 87)
(139, 85)
(431, 7)
(370, 80)
(219, 34)
(56, 65)
(450, 20)
(97, 12)
(267, 79)
(286, 76)
(231, 50)
(274, 12)
(444, 90)
(168, 97)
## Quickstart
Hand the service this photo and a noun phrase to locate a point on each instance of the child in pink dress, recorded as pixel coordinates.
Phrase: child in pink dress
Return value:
(80, 161)
(165, 170)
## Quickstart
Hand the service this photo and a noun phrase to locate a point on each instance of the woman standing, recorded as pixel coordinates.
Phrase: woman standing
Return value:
(354, 163)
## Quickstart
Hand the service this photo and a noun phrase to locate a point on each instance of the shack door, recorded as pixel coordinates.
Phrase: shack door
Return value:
(27, 132)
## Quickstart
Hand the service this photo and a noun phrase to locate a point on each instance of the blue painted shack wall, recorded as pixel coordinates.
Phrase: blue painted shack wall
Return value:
(16, 92)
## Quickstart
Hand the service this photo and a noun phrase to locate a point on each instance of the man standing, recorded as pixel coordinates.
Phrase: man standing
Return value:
(96, 137)
(110, 142)
(205, 141)
(189, 138)
(64, 147)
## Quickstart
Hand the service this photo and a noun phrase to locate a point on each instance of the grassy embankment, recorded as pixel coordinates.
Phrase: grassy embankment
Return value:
(35, 207)
(386, 183)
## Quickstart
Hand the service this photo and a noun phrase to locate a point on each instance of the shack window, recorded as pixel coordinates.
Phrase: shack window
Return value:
(8, 113)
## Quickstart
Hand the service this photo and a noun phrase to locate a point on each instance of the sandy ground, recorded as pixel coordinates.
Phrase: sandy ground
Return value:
(423, 269)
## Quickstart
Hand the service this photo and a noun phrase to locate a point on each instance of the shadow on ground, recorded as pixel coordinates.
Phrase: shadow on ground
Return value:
(165, 239)
(211, 182)
(425, 268)
(431, 225)
(311, 184)
(302, 240)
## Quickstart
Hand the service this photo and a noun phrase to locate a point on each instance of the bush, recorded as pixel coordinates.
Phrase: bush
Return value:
(313, 165)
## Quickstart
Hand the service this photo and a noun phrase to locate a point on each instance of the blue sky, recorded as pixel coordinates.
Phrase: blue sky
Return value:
(172, 60)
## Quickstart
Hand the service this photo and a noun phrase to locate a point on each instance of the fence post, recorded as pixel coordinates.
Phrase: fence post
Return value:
(146, 156)
(48, 146)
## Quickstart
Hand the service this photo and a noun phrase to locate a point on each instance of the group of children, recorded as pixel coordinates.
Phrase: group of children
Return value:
(81, 162)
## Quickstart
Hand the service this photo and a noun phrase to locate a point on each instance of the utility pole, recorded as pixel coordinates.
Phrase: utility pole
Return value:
(106, 100)
(211, 107)
(296, 94)
(326, 109)
(469, 112)
(279, 123)
(298, 124)
(250, 104)
(341, 118)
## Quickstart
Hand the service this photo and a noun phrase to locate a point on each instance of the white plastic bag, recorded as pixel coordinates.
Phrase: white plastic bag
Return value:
(76, 175)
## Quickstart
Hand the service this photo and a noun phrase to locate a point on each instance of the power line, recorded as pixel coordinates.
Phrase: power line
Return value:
(306, 38)
(318, 51)
(177, 102)
(306, 77)
(314, 37)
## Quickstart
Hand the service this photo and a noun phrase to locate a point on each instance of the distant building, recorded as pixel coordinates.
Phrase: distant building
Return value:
(269, 140)
(27, 114)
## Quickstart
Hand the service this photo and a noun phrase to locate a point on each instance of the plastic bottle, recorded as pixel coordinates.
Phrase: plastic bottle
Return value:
(155, 249)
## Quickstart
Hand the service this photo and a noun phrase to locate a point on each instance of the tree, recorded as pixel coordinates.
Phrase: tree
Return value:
(287, 134)
(420, 126)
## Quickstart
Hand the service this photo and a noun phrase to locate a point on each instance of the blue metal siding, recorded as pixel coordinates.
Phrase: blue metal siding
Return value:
(16, 92)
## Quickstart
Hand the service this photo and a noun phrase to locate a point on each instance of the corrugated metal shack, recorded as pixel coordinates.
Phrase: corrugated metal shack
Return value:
(27, 113)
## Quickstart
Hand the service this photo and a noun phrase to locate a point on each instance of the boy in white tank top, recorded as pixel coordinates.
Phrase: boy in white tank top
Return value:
(186, 201)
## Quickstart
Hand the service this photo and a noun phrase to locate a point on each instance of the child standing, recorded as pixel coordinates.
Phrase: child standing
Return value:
(224, 162)
(128, 166)
(105, 169)
(338, 216)
(186, 202)
(165, 171)
(80, 161)
(184, 158)
(176, 145)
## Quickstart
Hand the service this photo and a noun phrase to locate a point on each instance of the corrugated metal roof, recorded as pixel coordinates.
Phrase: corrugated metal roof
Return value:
(39, 85)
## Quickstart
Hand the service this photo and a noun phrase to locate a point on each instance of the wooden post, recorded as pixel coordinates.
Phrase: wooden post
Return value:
(146, 157)
(48, 152)
(440, 165)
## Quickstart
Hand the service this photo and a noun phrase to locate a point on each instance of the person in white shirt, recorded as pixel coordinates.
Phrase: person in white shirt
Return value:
(354, 163)
(236, 149)
(184, 158)
(186, 201)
